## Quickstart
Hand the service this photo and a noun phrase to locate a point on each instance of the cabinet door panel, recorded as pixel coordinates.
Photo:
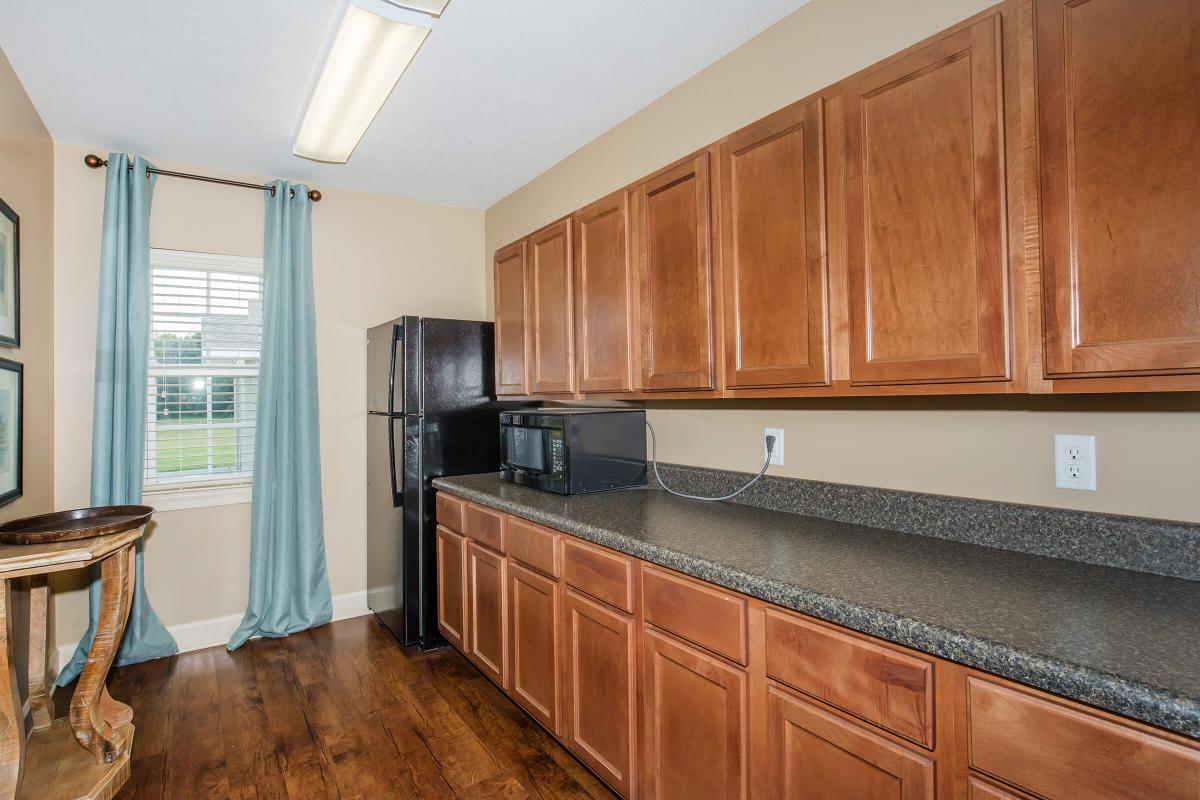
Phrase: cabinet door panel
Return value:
(926, 214)
(1056, 749)
(675, 221)
(535, 609)
(605, 296)
(601, 715)
(552, 345)
(773, 250)
(695, 718)
(512, 346)
(452, 586)
(1119, 127)
(816, 755)
(487, 612)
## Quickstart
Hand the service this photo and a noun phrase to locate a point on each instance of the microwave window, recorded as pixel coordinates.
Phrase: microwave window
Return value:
(526, 448)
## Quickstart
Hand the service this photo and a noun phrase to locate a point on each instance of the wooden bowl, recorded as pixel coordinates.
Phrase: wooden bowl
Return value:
(67, 526)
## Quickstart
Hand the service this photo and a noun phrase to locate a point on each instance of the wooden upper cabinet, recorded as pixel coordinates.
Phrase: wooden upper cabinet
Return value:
(552, 328)
(926, 214)
(1118, 127)
(605, 296)
(675, 244)
(773, 257)
(512, 344)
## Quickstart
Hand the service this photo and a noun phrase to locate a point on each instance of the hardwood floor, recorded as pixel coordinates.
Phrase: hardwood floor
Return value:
(337, 712)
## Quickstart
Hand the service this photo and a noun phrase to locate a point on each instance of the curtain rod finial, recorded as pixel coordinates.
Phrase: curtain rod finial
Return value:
(94, 161)
(314, 195)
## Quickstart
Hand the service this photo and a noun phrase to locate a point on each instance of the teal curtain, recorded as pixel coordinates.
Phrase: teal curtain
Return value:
(289, 587)
(119, 410)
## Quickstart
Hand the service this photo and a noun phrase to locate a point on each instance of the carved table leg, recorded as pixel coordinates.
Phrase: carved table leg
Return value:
(94, 714)
(41, 704)
(12, 721)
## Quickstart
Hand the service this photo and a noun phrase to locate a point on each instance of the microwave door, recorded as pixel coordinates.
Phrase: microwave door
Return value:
(527, 449)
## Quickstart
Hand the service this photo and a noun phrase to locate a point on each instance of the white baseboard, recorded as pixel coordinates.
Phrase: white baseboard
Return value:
(216, 631)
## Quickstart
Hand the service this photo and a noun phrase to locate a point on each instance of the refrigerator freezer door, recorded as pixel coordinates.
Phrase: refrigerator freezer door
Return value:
(381, 355)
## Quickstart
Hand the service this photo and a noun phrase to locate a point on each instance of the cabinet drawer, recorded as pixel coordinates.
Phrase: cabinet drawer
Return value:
(485, 526)
(1054, 749)
(887, 687)
(533, 545)
(710, 617)
(449, 511)
(603, 574)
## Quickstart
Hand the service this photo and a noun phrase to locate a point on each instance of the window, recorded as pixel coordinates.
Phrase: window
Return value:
(202, 392)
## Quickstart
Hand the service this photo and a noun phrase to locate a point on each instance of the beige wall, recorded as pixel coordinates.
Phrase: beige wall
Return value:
(374, 258)
(27, 185)
(992, 448)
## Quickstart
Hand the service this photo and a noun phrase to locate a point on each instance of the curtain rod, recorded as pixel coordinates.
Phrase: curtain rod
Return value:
(96, 162)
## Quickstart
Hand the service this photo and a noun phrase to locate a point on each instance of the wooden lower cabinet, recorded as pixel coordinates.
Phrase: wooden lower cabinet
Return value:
(983, 790)
(742, 699)
(452, 586)
(695, 710)
(536, 674)
(600, 681)
(487, 612)
(814, 754)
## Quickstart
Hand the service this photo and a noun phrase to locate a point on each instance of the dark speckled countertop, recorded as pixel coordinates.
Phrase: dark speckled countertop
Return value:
(1124, 641)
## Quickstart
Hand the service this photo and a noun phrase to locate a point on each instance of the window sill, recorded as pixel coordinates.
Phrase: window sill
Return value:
(178, 499)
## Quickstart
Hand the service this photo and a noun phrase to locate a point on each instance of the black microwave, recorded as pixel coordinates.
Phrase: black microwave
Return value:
(574, 450)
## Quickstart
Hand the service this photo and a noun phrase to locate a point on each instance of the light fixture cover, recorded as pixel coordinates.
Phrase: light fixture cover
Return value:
(432, 7)
(368, 56)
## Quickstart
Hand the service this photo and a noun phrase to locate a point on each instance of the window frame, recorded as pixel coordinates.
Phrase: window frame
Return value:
(200, 491)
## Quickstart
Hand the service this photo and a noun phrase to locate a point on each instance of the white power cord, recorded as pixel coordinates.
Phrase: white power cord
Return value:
(754, 480)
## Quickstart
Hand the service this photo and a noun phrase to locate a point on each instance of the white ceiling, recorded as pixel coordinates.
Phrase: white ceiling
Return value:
(501, 91)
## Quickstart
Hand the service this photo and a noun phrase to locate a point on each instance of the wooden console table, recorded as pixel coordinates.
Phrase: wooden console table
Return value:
(87, 754)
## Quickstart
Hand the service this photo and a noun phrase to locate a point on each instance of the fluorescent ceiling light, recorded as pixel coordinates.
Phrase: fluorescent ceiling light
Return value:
(368, 56)
(432, 7)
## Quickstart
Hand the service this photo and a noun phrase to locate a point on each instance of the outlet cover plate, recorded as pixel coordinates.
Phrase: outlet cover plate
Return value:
(1075, 462)
(777, 450)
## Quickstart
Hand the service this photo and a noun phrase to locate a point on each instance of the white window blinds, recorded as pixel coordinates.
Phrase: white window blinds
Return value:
(202, 393)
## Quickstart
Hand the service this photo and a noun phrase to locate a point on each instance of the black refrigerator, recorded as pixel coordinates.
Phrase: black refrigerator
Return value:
(430, 412)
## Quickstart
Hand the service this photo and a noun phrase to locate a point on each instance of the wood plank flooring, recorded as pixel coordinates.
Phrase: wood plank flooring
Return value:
(336, 712)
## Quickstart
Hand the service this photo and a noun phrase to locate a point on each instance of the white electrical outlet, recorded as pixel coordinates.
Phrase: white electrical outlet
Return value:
(1075, 462)
(777, 450)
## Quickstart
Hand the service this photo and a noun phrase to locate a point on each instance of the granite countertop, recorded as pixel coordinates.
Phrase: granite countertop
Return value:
(1120, 640)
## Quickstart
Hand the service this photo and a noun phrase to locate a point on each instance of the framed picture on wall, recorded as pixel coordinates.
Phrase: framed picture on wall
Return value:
(12, 390)
(10, 276)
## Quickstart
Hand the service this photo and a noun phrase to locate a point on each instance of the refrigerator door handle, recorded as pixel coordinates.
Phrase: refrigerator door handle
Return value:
(397, 480)
(397, 345)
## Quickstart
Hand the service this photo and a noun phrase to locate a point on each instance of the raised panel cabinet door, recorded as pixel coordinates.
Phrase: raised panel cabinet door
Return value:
(487, 612)
(695, 739)
(1119, 148)
(552, 336)
(512, 342)
(536, 675)
(926, 214)
(601, 712)
(605, 295)
(452, 586)
(773, 250)
(815, 755)
(675, 243)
